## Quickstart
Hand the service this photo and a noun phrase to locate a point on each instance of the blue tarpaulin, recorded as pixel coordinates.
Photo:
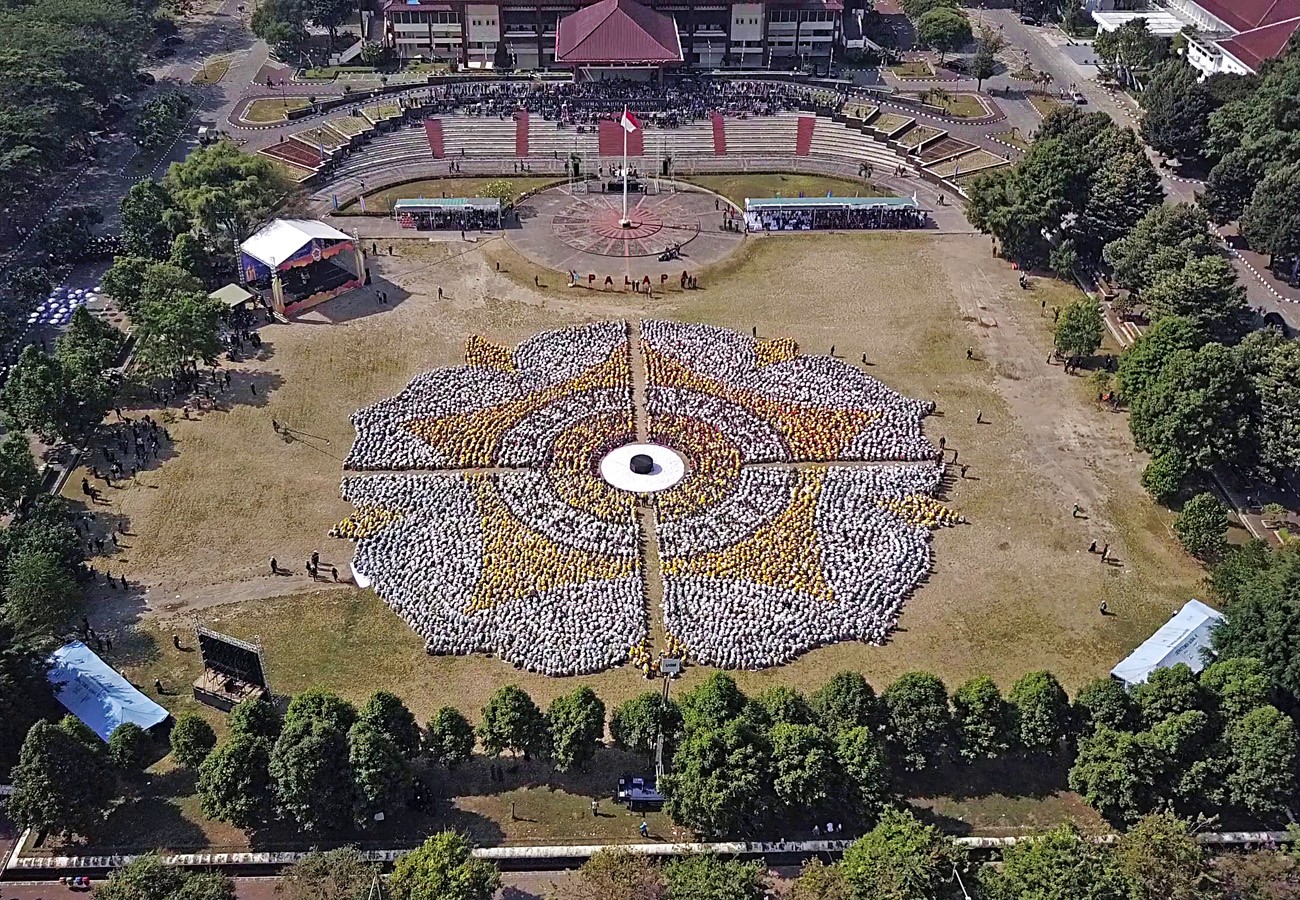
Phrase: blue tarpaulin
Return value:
(96, 694)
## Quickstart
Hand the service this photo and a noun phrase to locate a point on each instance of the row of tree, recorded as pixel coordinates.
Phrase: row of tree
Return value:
(939, 24)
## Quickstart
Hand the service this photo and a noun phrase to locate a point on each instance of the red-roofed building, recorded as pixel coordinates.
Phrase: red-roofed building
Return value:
(1232, 36)
(710, 34)
(617, 33)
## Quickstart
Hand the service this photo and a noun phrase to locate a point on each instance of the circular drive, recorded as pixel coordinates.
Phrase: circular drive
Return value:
(642, 468)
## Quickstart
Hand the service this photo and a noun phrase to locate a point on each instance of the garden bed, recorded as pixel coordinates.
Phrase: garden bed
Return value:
(890, 124)
(917, 68)
(212, 71)
(268, 110)
(917, 136)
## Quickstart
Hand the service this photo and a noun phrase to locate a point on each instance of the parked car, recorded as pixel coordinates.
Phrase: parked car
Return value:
(1028, 20)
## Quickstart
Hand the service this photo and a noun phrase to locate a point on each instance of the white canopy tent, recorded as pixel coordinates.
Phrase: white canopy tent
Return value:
(282, 239)
(1180, 640)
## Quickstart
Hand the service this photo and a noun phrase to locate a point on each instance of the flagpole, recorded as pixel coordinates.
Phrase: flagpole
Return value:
(622, 124)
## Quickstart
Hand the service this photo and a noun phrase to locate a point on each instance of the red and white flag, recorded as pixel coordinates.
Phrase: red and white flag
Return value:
(629, 122)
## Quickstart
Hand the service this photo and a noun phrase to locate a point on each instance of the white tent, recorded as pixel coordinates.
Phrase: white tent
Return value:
(1180, 640)
(283, 238)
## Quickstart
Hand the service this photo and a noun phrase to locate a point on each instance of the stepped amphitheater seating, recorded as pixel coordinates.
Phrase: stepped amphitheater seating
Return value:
(552, 141)
(478, 137)
(433, 133)
(396, 148)
(689, 140)
(770, 136)
(719, 134)
(832, 140)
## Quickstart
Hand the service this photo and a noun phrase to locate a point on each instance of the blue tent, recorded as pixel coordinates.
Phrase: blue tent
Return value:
(96, 694)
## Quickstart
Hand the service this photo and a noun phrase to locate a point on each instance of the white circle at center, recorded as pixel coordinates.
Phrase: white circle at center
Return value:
(616, 468)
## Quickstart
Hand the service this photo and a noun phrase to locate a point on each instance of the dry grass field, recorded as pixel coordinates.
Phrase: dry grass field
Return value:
(1013, 591)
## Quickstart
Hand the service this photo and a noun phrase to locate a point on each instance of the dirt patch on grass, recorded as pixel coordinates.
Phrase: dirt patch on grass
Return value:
(737, 188)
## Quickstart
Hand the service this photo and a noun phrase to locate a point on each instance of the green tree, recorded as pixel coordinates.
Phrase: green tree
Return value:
(1164, 476)
(341, 874)
(46, 527)
(576, 723)
(442, 869)
(1176, 110)
(1061, 864)
(615, 874)
(33, 397)
(255, 718)
(449, 738)
(1202, 525)
(61, 785)
(945, 29)
(1199, 407)
(1104, 703)
(1078, 332)
(318, 704)
(387, 714)
(721, 779)
(819, 881)
(637, 723)
(1129, 50)
(192, 739)
(982, 65)
(1164, 240)
(702, 876)
(235, 781)
(127, 746)
(844, 702)
(225, 191)
(173, 333)
(147, 877)
(1168, 691)
(1042, 711)
(512, 721)
(312, 774)
(919, 721)
(1266, 222)
(1115, 772)
(1261, 612)
(1239, 685)
(865, 766)
(712, 703)
(1262, 746)
(1273, 363)
(125, 279)
(1160, 859)
(149, 221)
(902, 859)
(982, 719)
(41, 594)
(1204, 291)
(785, 706)
(806, 773)
(28, 284)
(380, 769)
(1142, 362)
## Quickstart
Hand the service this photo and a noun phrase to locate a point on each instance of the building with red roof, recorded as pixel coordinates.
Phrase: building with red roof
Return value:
(712, 34)
(1223, 36)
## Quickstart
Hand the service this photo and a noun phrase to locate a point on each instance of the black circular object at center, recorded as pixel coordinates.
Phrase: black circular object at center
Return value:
(642, 464)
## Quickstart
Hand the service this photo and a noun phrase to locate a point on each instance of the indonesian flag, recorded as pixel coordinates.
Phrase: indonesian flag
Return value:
(629, 122)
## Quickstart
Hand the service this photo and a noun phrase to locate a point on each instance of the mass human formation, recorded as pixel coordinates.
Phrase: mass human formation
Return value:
(543, 564)
(670, 105)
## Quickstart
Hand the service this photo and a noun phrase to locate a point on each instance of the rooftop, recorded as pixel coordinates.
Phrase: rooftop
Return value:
(617, 31)
(1254, 46)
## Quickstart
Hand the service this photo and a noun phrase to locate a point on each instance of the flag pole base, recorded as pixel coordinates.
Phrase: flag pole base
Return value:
(627, 223)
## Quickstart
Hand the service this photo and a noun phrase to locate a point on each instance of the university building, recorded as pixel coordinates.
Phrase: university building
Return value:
(723, 33)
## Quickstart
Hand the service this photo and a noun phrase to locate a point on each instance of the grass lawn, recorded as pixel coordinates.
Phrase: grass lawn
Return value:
(272, 109)
(960, 106)
(380, 203)
(917, 68)
(1014, 591)
(1044, 104)
(737, 187)
(329, 73)
(1012, 137)
(212, 71)
(426, 68)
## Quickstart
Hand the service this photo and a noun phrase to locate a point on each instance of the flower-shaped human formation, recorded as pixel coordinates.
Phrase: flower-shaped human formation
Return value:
(484, 521)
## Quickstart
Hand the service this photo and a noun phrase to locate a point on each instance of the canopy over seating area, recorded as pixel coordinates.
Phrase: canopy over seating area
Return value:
(466, 213)
(813, 213)
(302, 261)
(1180, 640)
(97, 694)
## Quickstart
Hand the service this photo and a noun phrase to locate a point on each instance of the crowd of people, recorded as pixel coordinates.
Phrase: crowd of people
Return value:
(836, 219)
(541, 564)
(675, 102)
